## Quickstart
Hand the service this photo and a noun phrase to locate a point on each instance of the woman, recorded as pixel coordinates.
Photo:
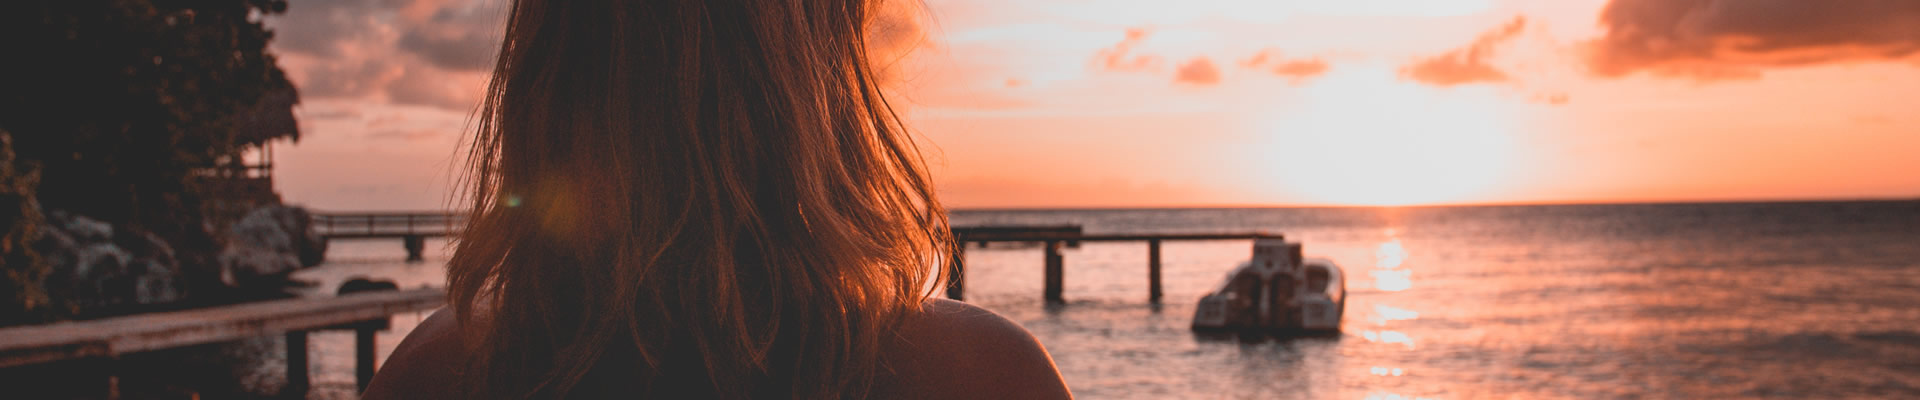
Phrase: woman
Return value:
(701, 199)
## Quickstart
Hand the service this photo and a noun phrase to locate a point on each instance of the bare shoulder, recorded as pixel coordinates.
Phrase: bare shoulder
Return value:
(954, 350)
(425, 365)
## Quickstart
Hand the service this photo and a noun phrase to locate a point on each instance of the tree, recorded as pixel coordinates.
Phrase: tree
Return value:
(115, 103)
(21, 296)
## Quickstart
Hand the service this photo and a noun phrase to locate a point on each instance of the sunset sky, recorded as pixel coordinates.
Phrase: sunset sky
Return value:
(1080, 103)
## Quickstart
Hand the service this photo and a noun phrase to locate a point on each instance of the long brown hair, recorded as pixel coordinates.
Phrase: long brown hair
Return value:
(689, 198)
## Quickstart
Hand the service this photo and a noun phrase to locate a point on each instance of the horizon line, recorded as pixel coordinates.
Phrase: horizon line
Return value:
(1454, 204)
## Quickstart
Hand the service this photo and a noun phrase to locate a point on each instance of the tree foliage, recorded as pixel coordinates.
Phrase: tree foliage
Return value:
(22, 298)
(118, 100)
(113, 104)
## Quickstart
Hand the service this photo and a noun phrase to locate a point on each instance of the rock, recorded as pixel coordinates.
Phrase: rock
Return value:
(96, 269)
(100, 270)
(82, 228)
(254, 267)
(158, 275)
(267, 245)
(57, 248)
(100, 276)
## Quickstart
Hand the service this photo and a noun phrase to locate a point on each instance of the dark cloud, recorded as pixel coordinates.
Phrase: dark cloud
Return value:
(456, 39)
(1296, 70)
(1198, 71)
(1120, 57)
(326, 27)
(345, 78)
(403, 51)
(1469, 64)
(1719, 39)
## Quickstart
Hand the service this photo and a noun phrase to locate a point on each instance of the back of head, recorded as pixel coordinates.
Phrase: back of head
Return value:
(689, 198)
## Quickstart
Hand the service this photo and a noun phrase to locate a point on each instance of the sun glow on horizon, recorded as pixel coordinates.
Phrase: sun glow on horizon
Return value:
(1363, 138)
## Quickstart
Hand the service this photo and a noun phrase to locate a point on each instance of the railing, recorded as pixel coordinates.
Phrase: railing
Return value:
(109, 338)
(386, 225)
(1052, 239)
(414, 227)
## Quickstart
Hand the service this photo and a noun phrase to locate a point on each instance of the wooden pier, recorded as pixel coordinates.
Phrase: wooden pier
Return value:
(1051, 239)
(412, 228)
(109, 338)
(367, 312)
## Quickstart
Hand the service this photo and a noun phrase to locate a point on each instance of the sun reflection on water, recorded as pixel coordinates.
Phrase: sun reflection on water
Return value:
(1392, 396)
(1388, 337)
(1391, 273)
(1392, 280)
(1384, 371)
(1383, 313)
(1388, 258)
(1390, 254)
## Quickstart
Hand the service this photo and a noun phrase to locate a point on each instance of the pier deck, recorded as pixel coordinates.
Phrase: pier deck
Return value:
(109, 338)
(1051, 240)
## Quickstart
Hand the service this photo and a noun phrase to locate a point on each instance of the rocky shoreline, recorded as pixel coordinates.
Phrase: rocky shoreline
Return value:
(106, 271)
(100, 270)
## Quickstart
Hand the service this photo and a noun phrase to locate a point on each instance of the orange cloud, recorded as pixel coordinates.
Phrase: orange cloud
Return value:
(1723, 39)
(1198, 71)
(1120, 57)
(1467, 65)
(1296, 70)
(1556, 99)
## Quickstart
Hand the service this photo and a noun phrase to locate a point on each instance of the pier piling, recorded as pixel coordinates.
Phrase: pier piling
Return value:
(416, 245)
(1055, 280)
(297, 379)
(1052, 238)
(1153, 271)
(363, 357)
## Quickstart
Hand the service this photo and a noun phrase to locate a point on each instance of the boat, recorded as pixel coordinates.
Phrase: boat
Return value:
(1277, 291)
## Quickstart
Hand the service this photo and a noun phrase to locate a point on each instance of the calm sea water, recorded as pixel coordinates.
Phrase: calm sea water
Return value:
(1759, 300)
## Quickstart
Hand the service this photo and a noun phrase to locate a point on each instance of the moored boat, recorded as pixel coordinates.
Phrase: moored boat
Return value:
(1277, 291)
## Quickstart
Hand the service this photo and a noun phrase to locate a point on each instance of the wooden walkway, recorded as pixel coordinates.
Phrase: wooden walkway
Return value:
(386, 225)
(109, 338)
(412, 228)
(1051, 241)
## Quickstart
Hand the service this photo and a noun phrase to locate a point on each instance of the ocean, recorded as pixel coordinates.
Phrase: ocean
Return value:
(1628, 301)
